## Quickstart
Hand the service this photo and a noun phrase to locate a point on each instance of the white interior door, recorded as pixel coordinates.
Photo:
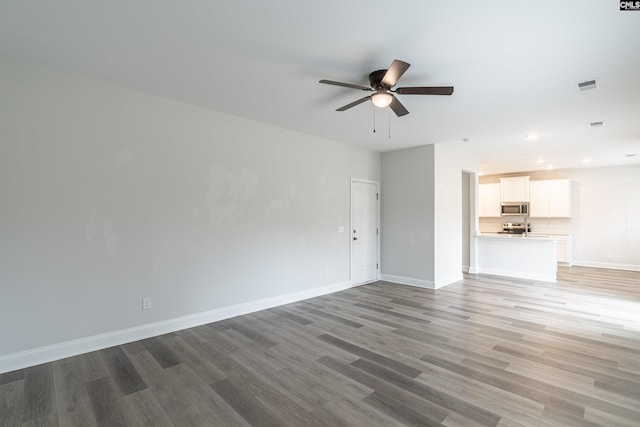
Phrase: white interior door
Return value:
(364, 231)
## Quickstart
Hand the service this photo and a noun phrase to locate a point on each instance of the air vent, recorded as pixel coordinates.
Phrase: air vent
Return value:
(589, 84)
(596, 124)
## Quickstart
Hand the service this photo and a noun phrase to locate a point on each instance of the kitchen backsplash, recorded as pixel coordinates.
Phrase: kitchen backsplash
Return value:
(538, 225)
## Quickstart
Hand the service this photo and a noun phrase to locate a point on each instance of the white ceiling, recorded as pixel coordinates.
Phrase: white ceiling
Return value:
(515, 66)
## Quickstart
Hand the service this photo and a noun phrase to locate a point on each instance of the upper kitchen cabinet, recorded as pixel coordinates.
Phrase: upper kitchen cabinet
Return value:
(514, 189)
(489, 200)
(550, 199)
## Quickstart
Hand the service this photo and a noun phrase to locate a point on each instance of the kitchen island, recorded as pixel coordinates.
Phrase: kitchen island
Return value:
(532, 258)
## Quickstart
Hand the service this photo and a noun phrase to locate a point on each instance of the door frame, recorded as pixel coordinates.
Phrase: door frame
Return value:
(378, 260)
(474, 220)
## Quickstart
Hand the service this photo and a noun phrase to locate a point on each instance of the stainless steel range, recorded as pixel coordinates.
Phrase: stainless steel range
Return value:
(515, 228)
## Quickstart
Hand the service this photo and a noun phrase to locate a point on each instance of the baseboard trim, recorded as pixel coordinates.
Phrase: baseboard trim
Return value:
(355, 284)
(608, 265)
(517, 274)
(411, 281)
(440, 283)
(50, 353)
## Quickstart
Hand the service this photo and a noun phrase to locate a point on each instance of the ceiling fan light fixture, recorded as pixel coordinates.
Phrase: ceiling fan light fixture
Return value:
(381, 99)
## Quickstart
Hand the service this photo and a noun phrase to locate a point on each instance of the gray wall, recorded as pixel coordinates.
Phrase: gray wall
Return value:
(408, 213)
(109, 195)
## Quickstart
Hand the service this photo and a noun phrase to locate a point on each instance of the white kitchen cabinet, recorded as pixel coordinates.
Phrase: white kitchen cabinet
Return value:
(514, 189)
(489, 200)
(538, 199)
(550, 198)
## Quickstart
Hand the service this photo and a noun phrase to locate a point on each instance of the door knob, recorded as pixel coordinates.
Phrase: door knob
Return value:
(355, 238)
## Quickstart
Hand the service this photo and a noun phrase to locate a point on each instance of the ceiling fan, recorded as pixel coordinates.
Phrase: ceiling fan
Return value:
(382, 81)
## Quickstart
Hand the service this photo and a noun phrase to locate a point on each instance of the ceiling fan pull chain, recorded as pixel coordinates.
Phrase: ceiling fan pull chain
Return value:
(389, 125)
(374, 120)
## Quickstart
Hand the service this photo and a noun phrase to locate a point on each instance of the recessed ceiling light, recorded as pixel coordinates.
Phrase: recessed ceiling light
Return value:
(549, 166)
(540, 161)
(586, 160)
(531, 136)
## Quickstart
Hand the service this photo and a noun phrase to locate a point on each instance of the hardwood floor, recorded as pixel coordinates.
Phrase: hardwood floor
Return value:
(486, 351)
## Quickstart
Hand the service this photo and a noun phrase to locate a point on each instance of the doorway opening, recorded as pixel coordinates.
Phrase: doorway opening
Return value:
(468, 221)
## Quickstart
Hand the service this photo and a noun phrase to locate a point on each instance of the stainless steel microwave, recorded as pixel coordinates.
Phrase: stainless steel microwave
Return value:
(514, 208)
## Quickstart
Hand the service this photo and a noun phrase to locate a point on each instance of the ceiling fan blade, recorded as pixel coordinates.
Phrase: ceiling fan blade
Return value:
(349, 85)
(425, 90)
(395, 71)
(398, 108)
(354, 103)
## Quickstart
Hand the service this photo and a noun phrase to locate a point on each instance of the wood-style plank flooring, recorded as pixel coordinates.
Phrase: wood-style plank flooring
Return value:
(486, 351)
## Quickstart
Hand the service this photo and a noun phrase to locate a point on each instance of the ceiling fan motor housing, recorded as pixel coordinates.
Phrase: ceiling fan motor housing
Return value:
(375, 79)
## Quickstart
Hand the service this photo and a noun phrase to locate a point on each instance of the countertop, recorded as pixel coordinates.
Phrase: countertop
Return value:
(531, 236)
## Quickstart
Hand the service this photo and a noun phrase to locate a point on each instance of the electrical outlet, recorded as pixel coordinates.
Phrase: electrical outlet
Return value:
(146, 303)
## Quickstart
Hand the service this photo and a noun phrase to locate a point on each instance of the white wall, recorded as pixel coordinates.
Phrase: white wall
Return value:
(450, 160)
(605, 225)
(606, 229)
(109, 195)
